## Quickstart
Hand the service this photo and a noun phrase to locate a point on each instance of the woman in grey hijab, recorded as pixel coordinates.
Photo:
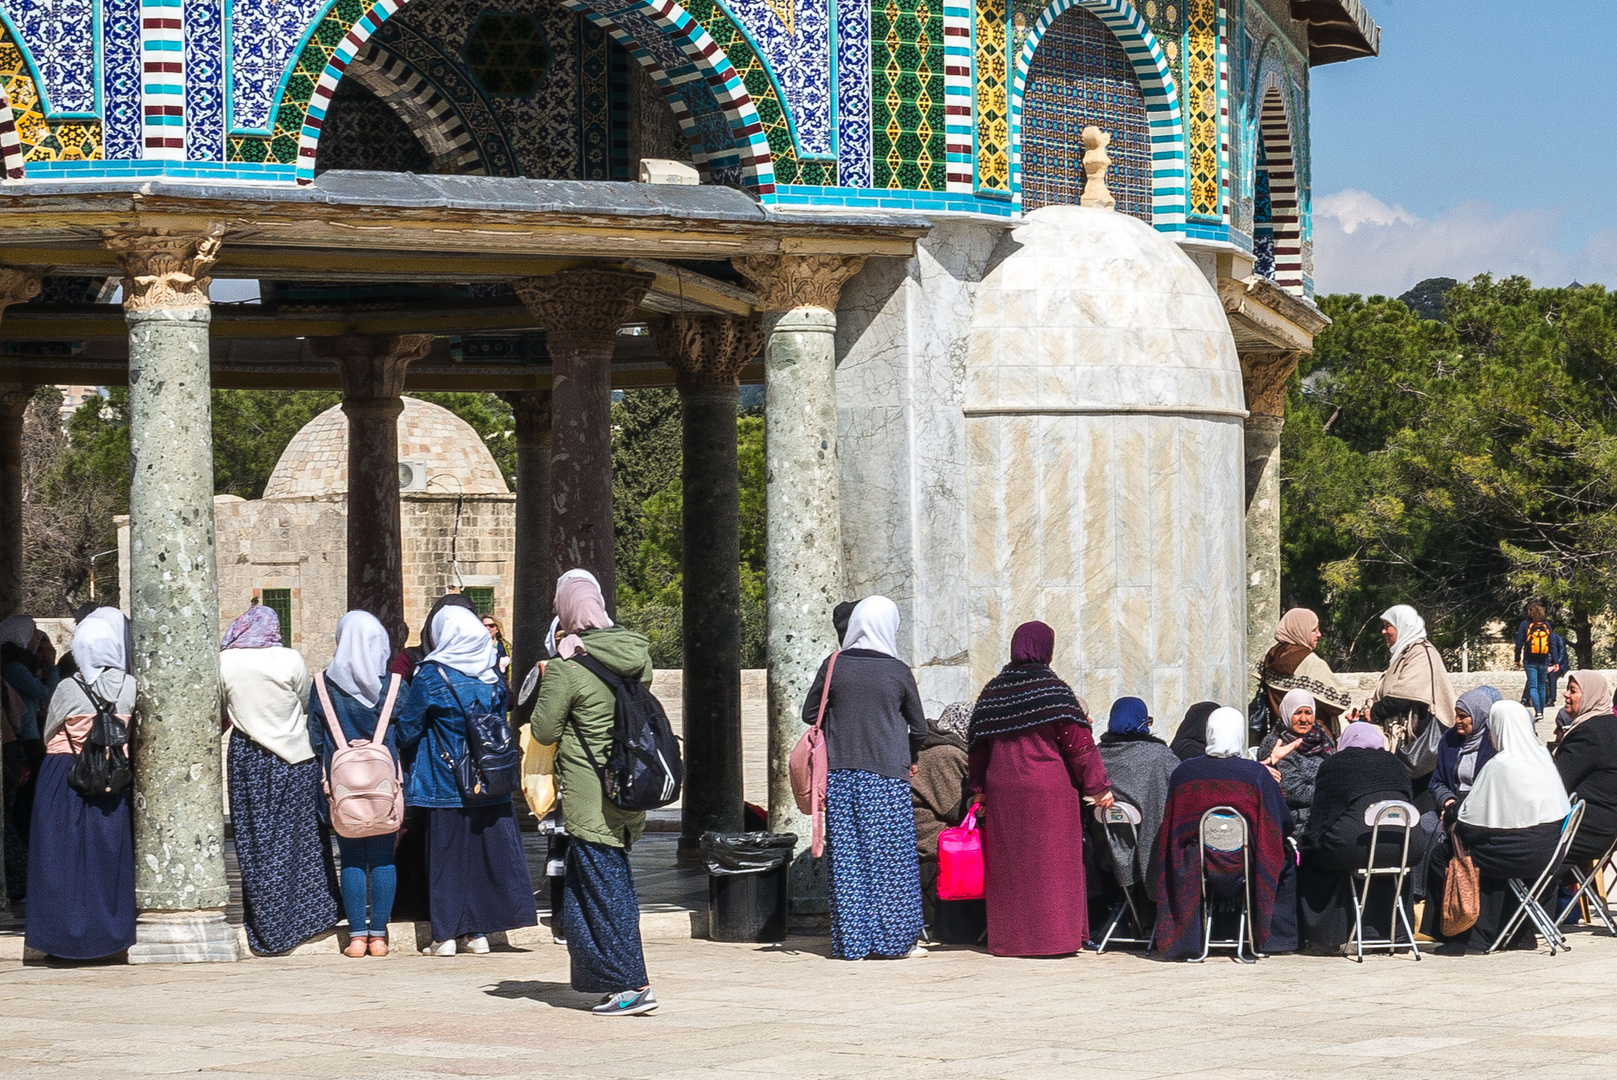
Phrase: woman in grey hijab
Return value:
(938, 792)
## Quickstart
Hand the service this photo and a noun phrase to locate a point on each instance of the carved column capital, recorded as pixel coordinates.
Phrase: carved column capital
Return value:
(1265, 375)
(14, 399)
(530, 409)
(372, 365)
(17, 286)
(162, 269)
(707, 352)
(784, 282)
(583, 307)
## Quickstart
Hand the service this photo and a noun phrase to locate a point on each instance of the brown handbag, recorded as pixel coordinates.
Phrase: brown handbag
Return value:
(1462, 891)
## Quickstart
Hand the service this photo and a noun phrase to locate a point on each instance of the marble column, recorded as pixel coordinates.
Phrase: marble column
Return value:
(798, 298)
(373, 369)
(530, 607)
(707, 353)
(178, 804)
(581, 311)
(1265, 375)
(16, 286)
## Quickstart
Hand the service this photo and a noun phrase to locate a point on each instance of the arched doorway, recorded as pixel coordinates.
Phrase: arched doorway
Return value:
(1081, 75)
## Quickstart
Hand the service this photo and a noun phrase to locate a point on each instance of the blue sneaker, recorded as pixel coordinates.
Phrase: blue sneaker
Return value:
(626, 1003)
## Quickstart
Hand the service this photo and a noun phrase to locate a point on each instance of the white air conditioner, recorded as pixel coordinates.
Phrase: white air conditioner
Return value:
(412, 476)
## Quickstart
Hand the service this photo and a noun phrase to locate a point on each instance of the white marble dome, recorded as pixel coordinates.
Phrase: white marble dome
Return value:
(1105, 463)
(456, 461)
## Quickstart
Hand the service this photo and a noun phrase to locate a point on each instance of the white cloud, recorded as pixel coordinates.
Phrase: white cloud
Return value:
(1363, 245)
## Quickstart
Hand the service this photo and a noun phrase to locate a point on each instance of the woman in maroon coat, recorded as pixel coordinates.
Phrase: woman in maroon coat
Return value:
(1032, 762)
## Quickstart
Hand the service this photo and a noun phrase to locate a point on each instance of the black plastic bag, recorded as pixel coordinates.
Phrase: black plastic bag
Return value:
(727, 854)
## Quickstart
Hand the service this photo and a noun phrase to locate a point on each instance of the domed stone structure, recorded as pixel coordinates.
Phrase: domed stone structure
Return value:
(447, 450)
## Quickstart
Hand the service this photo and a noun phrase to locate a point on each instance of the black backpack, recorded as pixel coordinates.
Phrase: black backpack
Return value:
(643, 770)
(101, 765)
(491, 767)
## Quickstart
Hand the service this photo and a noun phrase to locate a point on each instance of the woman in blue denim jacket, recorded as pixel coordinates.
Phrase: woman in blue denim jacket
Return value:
(478, 880)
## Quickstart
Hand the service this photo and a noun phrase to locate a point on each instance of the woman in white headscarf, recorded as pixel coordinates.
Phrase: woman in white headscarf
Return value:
(874, 727)
(1413, 694)
(1510, 823)
(478, 875)
(357, 685)
(81, 872)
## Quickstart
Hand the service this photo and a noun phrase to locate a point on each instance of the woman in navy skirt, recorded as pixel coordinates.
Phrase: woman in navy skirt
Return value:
(81, 864)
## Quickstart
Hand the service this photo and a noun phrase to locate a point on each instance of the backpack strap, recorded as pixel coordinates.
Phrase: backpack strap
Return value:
(613, 684)
(439, 668)
(331, 713)
(825, 691)
(387, 709)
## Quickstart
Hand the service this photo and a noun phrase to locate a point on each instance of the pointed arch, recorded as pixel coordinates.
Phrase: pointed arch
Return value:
(1277, 177)
(1167, 131)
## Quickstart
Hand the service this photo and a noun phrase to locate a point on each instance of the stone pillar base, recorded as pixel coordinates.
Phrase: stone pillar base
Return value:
(184, 937)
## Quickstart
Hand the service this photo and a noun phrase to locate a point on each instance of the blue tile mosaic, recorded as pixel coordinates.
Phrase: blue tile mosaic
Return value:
(854, 167)
(204, 80)
(120, 79)
(59, 36)
(263, 38)
(794, 38)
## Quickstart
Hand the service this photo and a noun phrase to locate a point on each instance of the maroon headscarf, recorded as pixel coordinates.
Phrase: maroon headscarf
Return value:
(1033, 643)
(257, 628)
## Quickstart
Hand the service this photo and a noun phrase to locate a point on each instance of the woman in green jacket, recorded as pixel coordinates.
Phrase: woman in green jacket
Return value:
(600, 914)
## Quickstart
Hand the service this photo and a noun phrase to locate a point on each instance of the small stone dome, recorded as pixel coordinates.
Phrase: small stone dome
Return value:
(1084, 308)
(452, 455)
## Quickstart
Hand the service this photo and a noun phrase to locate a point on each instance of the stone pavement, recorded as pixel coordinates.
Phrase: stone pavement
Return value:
(790, 1012)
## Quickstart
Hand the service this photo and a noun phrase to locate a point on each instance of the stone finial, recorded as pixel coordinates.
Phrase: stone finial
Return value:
(1096, 162)
(1265, 375)
(784, 282)
(707, 352)
(372, 366)
(163, 269)
(17, 286)
(583, 307)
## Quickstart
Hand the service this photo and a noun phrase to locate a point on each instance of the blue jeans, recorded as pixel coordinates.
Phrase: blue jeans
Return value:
(1538, 686)
(368, 860)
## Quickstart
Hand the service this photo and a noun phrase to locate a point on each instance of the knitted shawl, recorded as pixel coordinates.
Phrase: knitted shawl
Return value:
(1020, 697)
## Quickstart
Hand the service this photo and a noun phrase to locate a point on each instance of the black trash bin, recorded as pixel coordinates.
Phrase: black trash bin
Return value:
(747, 889)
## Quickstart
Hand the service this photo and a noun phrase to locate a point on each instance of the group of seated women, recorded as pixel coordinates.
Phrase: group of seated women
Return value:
(1481, 781)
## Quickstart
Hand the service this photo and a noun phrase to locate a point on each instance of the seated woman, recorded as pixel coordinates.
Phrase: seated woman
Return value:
(1510, 823)
(1190, 741)
(1337, 841)
(1295, 749)
(1292, 664)
(1586, 757)
(1223, 777)
(1139, 765)
(938, 794)
(1465, 749)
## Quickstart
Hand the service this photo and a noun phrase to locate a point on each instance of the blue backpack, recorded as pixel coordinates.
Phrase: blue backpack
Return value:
(491, 766)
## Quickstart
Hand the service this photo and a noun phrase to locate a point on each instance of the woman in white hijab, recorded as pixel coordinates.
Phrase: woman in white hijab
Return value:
(81, 866)
(1414, 693)
(478, 875)
(1510, 823)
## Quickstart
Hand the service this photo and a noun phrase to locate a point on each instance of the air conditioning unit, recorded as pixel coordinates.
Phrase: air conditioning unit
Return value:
(412, 476)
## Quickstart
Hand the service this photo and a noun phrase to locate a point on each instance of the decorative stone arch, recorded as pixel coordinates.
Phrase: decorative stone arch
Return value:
(432, 118)
(11, 157)
(748, 158)
(1167, 131)
(1278, 173)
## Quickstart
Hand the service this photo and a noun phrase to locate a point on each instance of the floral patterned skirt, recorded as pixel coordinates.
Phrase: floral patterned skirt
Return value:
(875, 878)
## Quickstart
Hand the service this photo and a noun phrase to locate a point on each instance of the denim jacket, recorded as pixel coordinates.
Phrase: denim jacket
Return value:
(431, 733)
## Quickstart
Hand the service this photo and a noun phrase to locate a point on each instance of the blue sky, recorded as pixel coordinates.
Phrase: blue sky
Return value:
(1483, 138)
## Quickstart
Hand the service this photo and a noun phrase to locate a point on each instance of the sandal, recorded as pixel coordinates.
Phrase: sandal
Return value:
(378, 946)
(356, 946)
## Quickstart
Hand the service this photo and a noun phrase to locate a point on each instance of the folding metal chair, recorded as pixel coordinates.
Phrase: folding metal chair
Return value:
(1528, 906)
(1390, 814)
(1588, 884)
(1121, 815)
(1224, 829)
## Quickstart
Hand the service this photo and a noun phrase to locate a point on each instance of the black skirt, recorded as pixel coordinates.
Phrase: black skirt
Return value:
(1500, 854)
(478, 880)
(81, 869)
(1326, 885)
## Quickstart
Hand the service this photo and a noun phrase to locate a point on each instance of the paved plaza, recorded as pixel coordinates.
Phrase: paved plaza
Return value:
(791, 1012)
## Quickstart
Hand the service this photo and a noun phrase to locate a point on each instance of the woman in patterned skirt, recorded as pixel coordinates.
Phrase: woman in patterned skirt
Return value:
(288, 879)
(874, 726)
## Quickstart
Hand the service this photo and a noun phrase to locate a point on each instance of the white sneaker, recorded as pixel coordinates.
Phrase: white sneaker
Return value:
(919, 950)
(476, 944)
(440, 948)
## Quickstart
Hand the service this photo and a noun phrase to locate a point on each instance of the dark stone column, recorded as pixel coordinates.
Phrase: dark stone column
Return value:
(13, 403)
(708, 353)
(1265, 375)
(581, 311)
(373, 369)
(178, 803)
(530, 607)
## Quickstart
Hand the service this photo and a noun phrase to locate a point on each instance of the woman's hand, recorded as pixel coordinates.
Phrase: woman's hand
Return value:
(914, 769)
(1274, 772)
(1105, 799)
(1281, 750)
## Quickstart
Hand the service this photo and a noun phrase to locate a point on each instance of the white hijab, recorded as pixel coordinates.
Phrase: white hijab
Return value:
(462, 642)
(359, 665)
(873, 625)
(1226, 733)
(1410, 626)
(120, 625)
(98, 649)
(555, 623)
(1519, 787)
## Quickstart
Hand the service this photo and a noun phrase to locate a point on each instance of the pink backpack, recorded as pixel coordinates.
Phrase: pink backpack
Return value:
(809, 766)
(365, 784)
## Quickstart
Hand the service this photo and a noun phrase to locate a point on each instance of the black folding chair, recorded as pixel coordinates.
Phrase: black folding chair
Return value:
(1223, 829)
(1123, 816)
(1389, 814)
(1528, 906)
(1588, 885)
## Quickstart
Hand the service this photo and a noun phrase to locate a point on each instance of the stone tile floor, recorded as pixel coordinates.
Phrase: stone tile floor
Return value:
(789, 1011)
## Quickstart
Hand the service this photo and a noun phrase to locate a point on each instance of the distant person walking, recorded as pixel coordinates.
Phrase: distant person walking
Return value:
(1535, 652)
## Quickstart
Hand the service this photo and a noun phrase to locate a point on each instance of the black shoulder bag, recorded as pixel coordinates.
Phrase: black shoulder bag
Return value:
(101, 763)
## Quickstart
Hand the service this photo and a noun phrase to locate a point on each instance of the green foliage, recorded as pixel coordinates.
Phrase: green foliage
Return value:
(646, 455)
(252, 427)
(1461, 466)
